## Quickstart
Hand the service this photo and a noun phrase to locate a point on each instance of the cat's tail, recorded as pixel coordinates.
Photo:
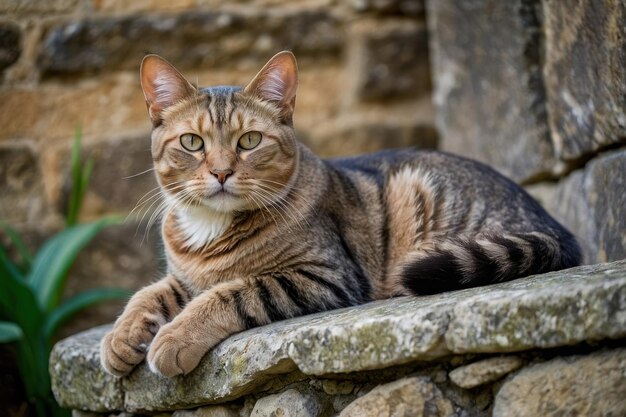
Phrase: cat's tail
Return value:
(466, 262)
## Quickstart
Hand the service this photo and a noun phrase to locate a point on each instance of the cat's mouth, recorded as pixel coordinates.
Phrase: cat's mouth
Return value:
(220, 196)
(221, 192)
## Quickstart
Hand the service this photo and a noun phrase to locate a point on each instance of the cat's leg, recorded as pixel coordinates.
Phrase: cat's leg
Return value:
(149, 309)
(238, 305)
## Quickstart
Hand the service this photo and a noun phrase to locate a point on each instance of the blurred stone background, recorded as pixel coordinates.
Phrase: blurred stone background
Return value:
(535, 88)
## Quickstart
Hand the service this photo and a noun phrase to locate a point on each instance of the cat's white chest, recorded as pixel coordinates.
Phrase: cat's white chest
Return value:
(201, 225)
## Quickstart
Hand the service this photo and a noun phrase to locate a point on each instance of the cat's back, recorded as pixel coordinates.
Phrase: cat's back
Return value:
(465, 193)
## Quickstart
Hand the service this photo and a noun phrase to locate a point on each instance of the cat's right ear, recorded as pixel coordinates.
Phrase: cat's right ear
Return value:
(162, 86)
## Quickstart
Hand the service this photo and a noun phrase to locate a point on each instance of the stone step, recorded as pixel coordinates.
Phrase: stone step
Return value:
(562, 308)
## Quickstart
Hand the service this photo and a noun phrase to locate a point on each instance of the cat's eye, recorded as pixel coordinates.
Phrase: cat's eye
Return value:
(250, 140)
(191, 142)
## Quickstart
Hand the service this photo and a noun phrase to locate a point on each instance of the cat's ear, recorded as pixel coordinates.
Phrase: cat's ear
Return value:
(277, 83)
(162, 86)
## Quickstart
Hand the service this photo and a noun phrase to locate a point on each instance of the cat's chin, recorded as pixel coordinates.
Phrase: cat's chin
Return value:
(224, 202)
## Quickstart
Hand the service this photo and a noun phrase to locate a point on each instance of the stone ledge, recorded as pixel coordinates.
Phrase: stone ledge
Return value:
(562, 308)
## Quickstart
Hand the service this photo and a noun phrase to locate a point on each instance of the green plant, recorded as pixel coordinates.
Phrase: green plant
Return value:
(31, 307)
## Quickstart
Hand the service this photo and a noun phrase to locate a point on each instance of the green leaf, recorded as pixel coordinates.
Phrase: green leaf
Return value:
(7, 267)
(25, 253)
(53, 261)
(85, 299)
(10, 332)
(84, 180)
(17, 301)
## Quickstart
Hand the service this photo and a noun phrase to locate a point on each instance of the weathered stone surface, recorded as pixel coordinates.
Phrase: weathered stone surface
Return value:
(585, 74)
(36, 6)
(301, 403)
(10, 47)
(23, 197)
(355, 138)
(333, 387)
(121, 6)
(554, 309)
(198, 38)
(562, 308)
(605, 190)
(98, 391)
(488, 83)
(591, 385)
(484, 371)
(209, 411)
(409, 397)
(592, 204)
(393, 7)
(106, 107)
(390, 61)
(389, 332)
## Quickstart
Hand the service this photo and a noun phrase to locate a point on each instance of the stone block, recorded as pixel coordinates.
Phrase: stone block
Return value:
(23, 197)
(591, 385)
(389, 60)
(103, 107)
(606, 193)
(10, 44)
(585, 74)
(100, 391)
(488, 85)
(293, 402)
(208, 411)
(37, 6)
(346, 139)
(409, 397)
(484, 371)
(578, 305)
(389, 7)
(592, 204)
(565, 308)
(122, 6)
(189, 39)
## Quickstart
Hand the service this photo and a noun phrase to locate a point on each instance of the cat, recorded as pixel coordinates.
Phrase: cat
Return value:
(259, 229)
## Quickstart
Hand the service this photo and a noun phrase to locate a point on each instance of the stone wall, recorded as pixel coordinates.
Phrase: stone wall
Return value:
(549, 345)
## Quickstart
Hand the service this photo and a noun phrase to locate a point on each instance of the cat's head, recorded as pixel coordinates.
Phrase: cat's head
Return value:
(229, 149)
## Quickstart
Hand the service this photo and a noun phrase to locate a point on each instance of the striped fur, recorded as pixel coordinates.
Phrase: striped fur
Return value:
(289, 234)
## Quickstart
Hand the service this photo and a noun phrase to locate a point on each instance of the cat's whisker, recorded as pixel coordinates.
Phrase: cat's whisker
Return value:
(156, 191)
(160, 203)
(250, 200)
(277, 203)
(288, 206)
(297, 192)
(178, 185)
(136, 175)
(261, 200)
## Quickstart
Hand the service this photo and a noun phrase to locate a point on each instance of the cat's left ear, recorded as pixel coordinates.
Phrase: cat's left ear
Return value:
(277, 83)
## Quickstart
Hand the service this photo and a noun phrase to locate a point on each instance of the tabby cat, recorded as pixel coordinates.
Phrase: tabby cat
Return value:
(259, 229)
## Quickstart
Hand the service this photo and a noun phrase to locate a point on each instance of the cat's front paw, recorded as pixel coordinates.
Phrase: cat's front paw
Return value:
(173, 352)
(125, 346)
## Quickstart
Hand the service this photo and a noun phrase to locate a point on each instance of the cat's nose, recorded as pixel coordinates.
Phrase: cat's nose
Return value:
(221, 174)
